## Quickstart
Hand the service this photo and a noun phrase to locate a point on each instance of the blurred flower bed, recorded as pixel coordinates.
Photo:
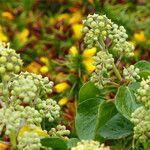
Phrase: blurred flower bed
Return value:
(48, 36)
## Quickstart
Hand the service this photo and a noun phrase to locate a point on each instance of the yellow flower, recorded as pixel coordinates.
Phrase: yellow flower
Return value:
(77, 34)
(88, 53)
(88, 60)
(140, 37)
(63, 101)
(60, 77)
(61, 87)
(23, 36)
(137, 53)
(44, 69)
(87, 57)
(75, 18)
(88, 65)
(7, 15)
(37, 130)
(44, 60)
(3, 37)
(73, 51)
(64, 16)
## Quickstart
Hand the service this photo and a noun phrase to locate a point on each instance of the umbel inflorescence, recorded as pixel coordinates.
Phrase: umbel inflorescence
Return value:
(111, 43)
(90, 145)
(23, 102)
(141, 116)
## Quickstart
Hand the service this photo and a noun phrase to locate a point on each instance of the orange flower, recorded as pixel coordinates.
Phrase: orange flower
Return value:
(7, 15)
(33, 67)
(4, 146)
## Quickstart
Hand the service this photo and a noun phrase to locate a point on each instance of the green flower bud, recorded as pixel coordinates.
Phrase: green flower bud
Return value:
(2, 70)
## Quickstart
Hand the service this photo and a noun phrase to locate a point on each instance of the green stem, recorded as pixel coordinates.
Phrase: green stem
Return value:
(116, 72)
(6, 95)
(146, 145)
(13, 141)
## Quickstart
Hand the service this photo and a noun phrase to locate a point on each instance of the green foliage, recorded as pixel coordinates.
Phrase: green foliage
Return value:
(116, 128)
(87, 118)
(72, 142)
(56, 143)
(125, 101)
(91, 91)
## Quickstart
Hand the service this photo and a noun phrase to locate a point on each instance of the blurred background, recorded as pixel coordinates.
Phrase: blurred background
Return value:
(47, 35)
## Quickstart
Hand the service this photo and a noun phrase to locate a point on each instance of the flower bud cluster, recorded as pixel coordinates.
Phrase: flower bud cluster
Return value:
(103, 62)
(119, 36)
(131, 73)
(29, 141)
(31, 116)
(141, 120)
(10, 120)
(90, 145)
(23, 90)
(49, 109)
(143, 93)
(98, 78)
(42, 84)
(10, 62)
(23, 101)
(141, 117)
(98, 28)
(59, 131)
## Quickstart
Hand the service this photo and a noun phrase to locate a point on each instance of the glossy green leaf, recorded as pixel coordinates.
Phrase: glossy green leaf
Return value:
(106, 111)
(117, 127)
(55, 142)
(125, 101)
(88, 90)
(87, 118)
(134, 86)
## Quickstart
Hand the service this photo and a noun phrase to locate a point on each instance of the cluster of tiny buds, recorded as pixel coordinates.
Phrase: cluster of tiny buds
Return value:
(31, 116)
(42, 83)
(59, 131)
(29, 141)
(10, 62)
(141, 120)
(103, 62)
(98, 28)
(98, 78)
(90, 145)
(143, 93)
(48, 109)
(23, 90)
(131, 73)
(11, 123)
